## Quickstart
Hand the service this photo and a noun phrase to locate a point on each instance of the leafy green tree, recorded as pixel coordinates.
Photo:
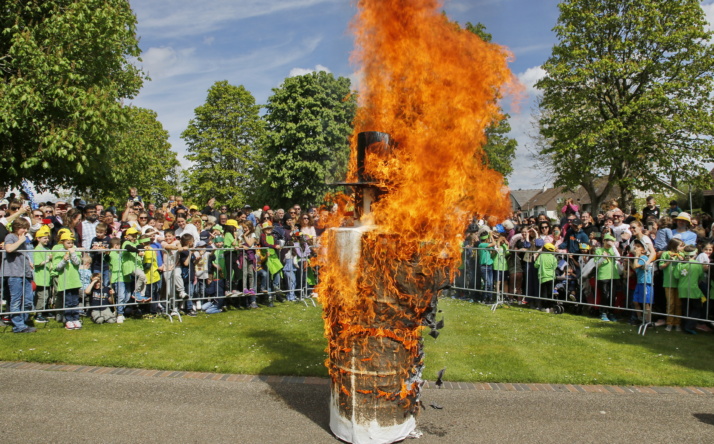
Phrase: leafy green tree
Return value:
(499, 148)
(64, 68)
(223, 143)
(627, 95)
(309, 121)
(142, 158)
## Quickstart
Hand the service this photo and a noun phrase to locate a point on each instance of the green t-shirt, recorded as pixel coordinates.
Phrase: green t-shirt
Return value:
(68, 277)
(116, 273)
(606, 266)
(668, 272)
(219, 260)
(43, 275)
(546, 265)
(484, 254)
(500, 263)
(229, 240)
(129, 260)
(688, 275)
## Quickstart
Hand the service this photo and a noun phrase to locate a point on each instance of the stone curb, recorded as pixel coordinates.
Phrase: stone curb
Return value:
(312, 380)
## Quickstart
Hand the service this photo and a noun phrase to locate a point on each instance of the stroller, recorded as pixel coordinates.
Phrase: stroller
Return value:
(567, 284)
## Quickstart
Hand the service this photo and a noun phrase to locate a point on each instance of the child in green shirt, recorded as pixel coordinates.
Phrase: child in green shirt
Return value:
(607, 275)
(42, 257)
(674, 251)
(500, 264)
(688, 274)
(546, 263)
(66, 262)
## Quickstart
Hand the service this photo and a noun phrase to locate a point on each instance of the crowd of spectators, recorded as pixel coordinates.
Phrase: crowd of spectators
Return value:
(69, 260)
(611, 264)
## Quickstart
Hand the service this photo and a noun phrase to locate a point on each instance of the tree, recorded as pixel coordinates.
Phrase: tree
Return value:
(500, 149)
(65, 68)
(309, 121)
(626, 95)
(142, 158)
(223, 143)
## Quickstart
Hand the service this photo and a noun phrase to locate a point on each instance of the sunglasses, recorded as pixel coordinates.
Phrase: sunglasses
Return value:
(204, 220)
(38, 215)
(143, 218)
(544, 226)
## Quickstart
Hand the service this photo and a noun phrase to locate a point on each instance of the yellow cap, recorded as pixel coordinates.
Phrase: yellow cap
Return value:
(44, 231)
(549, 247)
(232, 223)
(193, 207)
(132, 231)
(67, 235)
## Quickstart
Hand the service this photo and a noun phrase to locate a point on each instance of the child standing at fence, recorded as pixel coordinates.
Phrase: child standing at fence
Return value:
(500, 264)
(688, 274)
(188, 271)
(485, 262)
(153, 277)
(675, 249)
(117, 280)
(203, 259)
(85, 278)
(67, 263)
(607, 275)
(42, 258)
(132, 265)
(289, 267)
(17, 269)
(546, 263)
(644, 292)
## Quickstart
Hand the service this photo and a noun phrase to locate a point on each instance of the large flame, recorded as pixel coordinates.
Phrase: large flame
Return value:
(435, 89)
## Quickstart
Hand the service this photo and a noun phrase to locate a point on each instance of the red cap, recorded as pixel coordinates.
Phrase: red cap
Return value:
(266, 208)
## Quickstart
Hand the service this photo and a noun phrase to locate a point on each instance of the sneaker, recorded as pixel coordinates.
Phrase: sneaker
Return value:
(192, 313)
(120, 319)
(27, 330)
(703, 328)
(69, 325)
(77, 325)
(668, 328)
(253, 305)
(677, 328)
(197, 306)
(40, 319)
(660, 322)
(547, 310)
(612, 318)
(604, 317)
(691, 332)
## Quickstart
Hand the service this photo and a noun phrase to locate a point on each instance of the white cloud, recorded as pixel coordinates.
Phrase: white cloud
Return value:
(302, 71)
(181, 18)
(208, 40)
(165, 62)
(530, 77)
(709, 14)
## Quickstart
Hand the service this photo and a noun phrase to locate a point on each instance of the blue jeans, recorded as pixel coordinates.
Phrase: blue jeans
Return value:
(487, 276)
(71, 300)
(20, 300)
(263, 278)
(187, 287)
(121, 294)
(290, 278)
(106, 275)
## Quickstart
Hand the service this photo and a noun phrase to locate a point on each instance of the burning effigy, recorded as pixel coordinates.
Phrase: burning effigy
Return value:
(428, 91)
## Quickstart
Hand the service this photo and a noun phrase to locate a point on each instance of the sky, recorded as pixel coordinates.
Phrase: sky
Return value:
(188, 46)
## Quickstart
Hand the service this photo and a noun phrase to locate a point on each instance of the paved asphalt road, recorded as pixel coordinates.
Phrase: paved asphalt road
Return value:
(47, 406)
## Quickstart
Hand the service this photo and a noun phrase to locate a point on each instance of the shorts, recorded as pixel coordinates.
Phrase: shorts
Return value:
(643, 293)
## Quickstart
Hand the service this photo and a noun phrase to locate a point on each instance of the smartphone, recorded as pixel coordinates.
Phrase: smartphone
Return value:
(62, 206)
(46, 221)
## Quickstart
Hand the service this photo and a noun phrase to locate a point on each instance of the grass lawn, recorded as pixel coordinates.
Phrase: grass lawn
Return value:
(510, 345)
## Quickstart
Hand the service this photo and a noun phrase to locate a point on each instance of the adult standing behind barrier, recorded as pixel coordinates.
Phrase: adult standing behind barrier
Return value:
(684, 225)
(17, 267)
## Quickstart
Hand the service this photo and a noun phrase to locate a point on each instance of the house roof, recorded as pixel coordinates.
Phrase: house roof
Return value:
(523, 196)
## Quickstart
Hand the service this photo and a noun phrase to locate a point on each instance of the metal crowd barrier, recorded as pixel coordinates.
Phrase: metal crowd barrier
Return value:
(229, 288)
(576, 288)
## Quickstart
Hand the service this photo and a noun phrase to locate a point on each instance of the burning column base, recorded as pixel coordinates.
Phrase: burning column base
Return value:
(376, 355)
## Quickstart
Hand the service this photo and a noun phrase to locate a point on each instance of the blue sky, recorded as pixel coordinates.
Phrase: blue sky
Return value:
(189, 45)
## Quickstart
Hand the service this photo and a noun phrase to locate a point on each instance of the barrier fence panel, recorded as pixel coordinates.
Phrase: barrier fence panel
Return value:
(603, 285)
(154, 281)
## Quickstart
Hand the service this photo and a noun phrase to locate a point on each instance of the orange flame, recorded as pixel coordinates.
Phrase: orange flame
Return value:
(435, 89)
